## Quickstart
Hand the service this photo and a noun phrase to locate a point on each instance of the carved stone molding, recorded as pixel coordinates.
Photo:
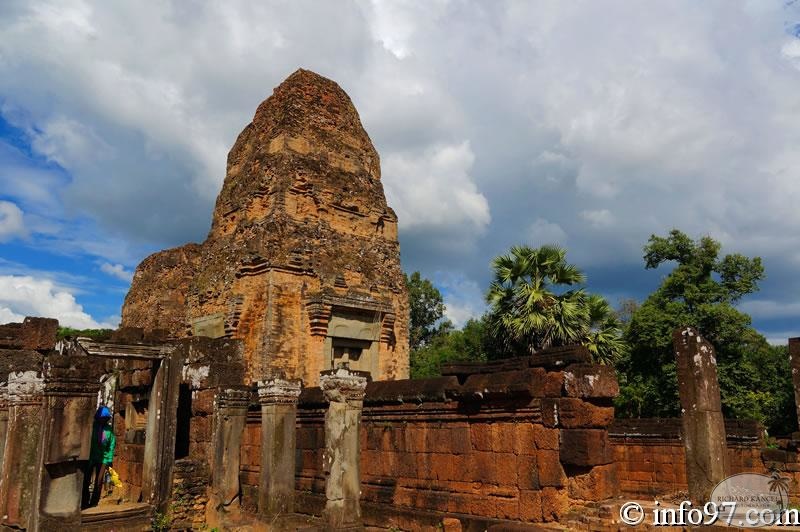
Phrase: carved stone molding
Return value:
(278, 391)
(233, 398)
(343, 384)
(387, 328)
(71, 388)
(319, 314)
(25, 387)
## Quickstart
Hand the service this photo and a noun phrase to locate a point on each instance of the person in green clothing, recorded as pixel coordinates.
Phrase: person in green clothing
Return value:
(101, 455)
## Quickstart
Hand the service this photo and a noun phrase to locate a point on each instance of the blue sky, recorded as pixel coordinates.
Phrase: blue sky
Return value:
(587, 124)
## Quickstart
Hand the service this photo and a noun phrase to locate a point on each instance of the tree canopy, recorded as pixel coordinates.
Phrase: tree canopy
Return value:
(426, 308)
(701, 290)
(470, 343)
(95, 334)
(536, 302)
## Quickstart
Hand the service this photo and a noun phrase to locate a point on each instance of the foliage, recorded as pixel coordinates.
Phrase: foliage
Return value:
(701, 291)
(604, 335)
(536, 303)
(468, 344)
(433, 340)
(426, 311)
(161, 522)
(94, 334)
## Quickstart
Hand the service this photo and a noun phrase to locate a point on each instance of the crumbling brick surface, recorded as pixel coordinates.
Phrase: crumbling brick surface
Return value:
(189, 496)
(301, 225)
(33, 333)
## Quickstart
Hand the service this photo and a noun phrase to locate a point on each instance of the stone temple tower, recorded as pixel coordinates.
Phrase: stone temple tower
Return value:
(302, 261)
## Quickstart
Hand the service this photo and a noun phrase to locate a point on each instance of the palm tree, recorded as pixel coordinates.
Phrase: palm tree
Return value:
(525, 304)
(604, 339)
(533, 307)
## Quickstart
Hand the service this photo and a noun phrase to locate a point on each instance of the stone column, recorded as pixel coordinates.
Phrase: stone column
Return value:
(278, 398)
(703, 425)
(3, 419)
(19, 484)
(71, 383)
(159, 444)
(344, 389)
(794, 361)
(230, 415)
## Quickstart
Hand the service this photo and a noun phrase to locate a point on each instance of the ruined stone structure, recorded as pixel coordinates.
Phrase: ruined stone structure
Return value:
(651, 456)
(496, 446)
(517, 441)
(259, 380)
(701, 406)
(302, 261)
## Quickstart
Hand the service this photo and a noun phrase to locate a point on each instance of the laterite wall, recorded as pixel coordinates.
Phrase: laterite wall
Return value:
(501, 442)
(651, 460)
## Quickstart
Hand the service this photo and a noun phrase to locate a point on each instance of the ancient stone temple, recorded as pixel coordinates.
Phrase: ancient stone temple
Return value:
(302, 261)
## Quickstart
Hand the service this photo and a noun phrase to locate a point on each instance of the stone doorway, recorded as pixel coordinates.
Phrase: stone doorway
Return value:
(145, 400)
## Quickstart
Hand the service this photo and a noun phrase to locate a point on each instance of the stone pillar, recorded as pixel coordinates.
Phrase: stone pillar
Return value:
(794, 361)
(703, 425)
(230, 415)
(19, 484)
(159, 445)
(278, 398)
(344, 389)
(71, 383)
(3, 418)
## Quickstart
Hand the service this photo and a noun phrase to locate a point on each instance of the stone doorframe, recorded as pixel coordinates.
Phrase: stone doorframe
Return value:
(159, 447)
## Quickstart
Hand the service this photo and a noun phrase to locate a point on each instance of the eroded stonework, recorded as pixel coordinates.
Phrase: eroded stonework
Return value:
(302, 262)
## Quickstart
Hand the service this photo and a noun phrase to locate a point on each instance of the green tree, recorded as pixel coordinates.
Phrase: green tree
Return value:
(426, 311)
(604, 337)
(701, 290)
(467, 344)
(95, 334)
(536, 303)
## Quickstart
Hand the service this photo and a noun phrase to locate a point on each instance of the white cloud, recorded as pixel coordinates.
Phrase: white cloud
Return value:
(463, 297)
(30, 296)
(7, 316)
(434, 189)
(598, 218)
(543, 232)
(116, 270)
(11, 221)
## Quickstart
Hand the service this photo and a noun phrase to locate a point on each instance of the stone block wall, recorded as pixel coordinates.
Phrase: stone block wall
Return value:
(520, 440)
(207, 365)
(651, 459)
(250, 460)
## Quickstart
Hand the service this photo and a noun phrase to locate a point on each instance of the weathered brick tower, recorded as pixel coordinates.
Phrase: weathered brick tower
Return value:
(302, 261)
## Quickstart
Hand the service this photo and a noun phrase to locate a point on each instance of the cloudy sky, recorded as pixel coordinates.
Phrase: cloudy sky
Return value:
(589, 124)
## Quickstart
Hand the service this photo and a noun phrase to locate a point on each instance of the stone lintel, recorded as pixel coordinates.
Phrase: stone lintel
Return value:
(278, 391)
(342, 384)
